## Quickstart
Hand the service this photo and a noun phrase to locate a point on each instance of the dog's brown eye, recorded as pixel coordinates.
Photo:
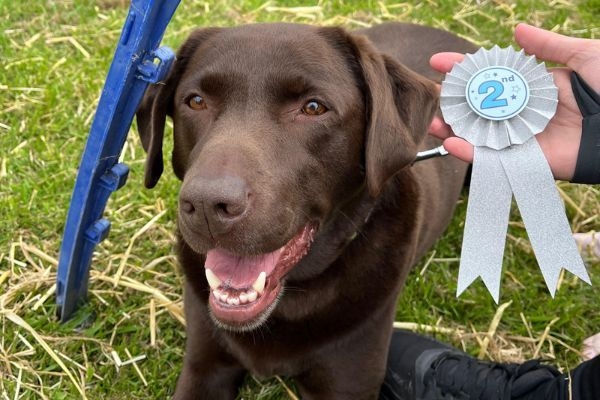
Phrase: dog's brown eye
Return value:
(197, 103)
(313, 107)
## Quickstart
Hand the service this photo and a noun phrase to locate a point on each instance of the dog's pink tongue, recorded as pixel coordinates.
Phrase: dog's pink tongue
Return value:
(240, 272)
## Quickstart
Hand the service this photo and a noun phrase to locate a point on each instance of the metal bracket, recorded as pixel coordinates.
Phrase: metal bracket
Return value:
(439, 151)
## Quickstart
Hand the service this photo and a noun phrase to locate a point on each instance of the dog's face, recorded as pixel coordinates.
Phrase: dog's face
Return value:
(276, 128)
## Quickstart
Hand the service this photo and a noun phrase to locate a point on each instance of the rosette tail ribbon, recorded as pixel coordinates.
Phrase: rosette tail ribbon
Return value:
(521, 170)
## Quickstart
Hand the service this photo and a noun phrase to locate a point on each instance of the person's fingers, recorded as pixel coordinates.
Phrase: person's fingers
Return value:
(443, 62)
(459, 148)
(439, 128)
(576, 53)
(591, 347)
(546, 45)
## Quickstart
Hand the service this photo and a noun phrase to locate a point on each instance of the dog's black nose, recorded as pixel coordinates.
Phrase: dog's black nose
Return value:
(214, 206)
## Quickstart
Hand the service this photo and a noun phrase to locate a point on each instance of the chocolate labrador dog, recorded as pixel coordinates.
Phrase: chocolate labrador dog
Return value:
(300, 212)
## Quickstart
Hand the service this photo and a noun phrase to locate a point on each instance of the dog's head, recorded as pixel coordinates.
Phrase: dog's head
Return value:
(276, 127)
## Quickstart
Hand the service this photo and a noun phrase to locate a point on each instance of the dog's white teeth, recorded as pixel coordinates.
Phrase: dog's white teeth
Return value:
(252, 295)
(243, 298)
(233, 297)
(233, 301)
(259, 284)
(246, 297)
(212, 279)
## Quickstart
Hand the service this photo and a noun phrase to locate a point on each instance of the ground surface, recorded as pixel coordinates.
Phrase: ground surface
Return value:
(127, 342)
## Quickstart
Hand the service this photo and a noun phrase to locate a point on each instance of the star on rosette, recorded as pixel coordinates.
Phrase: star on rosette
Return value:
(534, 90)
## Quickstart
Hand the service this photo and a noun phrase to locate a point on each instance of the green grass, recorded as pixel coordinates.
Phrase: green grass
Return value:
(53, 60)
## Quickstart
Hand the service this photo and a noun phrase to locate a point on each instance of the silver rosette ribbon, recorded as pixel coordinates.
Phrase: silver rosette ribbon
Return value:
(498, 100)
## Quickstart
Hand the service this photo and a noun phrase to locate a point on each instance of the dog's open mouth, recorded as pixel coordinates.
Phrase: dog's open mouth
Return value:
(245, 289)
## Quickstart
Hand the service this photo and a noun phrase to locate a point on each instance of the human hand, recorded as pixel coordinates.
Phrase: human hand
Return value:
(561, 137)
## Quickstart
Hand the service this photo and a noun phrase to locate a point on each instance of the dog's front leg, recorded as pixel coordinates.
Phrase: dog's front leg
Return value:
(341, 383)
(195, 383)
(352, 369)
(209, 372)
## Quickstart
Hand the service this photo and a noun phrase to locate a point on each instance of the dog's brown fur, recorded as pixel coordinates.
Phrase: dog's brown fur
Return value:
(347, 171)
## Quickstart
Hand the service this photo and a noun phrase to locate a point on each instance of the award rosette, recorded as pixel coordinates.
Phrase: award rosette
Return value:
(498, 100)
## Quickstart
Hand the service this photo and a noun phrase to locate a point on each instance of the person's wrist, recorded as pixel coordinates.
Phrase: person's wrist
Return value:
(587, 168)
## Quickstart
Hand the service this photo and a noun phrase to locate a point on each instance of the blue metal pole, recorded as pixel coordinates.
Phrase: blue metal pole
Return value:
(137, 62)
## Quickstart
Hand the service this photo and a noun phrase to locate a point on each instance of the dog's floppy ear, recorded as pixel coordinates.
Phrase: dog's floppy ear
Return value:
(151, 117)
(158, 103)
(400, 105)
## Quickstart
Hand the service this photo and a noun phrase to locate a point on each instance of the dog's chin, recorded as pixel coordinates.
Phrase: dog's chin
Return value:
(244, 290)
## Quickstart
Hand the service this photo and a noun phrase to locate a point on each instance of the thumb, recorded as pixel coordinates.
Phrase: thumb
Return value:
(554, 47)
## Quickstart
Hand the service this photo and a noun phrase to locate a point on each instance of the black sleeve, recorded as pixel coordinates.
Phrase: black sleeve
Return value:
(587, 169)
